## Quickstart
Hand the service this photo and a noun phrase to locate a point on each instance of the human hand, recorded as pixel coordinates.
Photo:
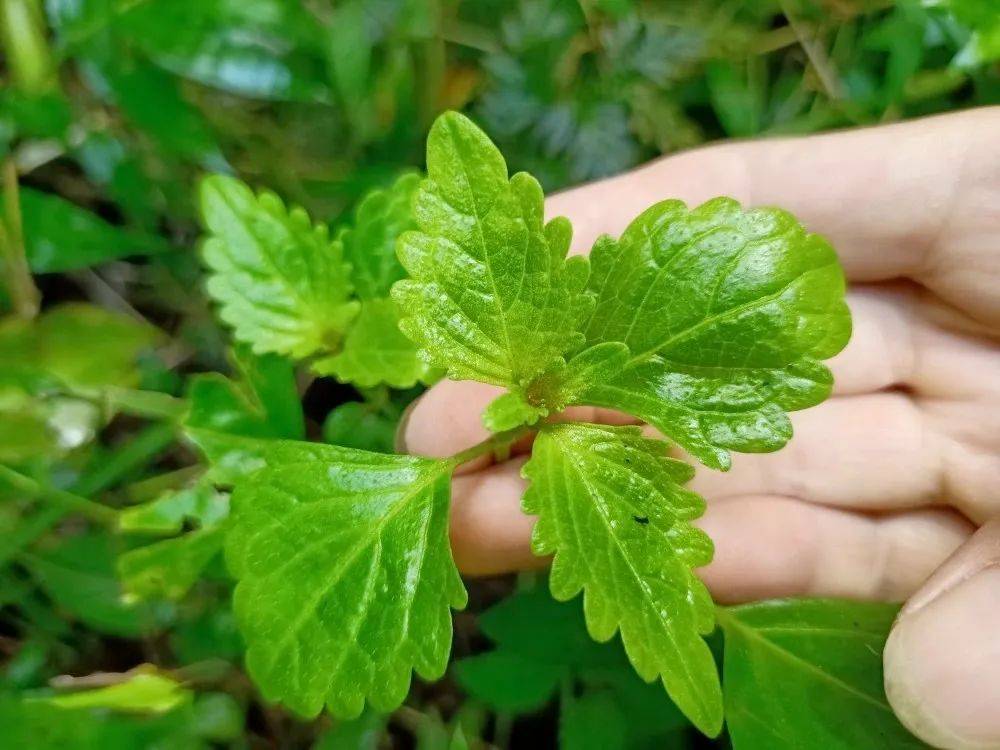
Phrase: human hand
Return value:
(886, 479)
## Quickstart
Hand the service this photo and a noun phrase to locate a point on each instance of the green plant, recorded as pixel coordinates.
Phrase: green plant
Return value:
(709, 323)
(129, 412)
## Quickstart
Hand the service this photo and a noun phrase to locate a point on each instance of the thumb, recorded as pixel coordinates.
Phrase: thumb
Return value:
(942, 659)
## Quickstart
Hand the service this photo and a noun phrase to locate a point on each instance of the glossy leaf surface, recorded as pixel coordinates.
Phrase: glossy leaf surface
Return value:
(808, 673)
(491, 295)
(727, 314)
(613, 511)
(345, 575)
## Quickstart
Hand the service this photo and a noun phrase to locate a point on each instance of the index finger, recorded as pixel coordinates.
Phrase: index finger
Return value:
(881, 195)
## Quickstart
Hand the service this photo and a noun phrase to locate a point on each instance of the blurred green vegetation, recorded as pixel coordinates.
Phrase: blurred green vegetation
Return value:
(111, 109)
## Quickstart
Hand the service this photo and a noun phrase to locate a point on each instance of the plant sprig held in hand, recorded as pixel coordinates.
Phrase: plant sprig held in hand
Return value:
(709, 323)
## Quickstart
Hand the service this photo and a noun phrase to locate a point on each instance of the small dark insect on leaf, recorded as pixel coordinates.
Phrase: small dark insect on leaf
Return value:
(641, 519)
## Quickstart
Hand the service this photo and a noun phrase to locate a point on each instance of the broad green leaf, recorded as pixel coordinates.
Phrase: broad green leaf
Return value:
(808, 673)
(280, 281)
(151, 100)
(983, 20)
(61, 236)
(613, 511)
(542, 645)
(361, 426)
(144, 690)
(202, 504)
(362, 733)
(508, 681)
(211, 634)
(231, 421)
(79, 575)
(75, 343)
(376, 351)
(345, 575)
(726, 313)
(592, 721)
(167, 569)
(491, 295)
(267, 49)
(370, 241)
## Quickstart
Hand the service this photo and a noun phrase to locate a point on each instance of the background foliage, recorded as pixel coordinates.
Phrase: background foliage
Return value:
(111, 110)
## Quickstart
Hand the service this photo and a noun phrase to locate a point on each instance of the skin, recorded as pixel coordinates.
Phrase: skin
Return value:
(888, 489)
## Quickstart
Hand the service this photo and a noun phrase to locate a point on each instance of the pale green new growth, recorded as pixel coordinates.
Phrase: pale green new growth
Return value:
(491, 295)
(345, 575)
(376, 351)
(612, 509)
(709, 323)
(143, 691)
(370, 242)
(726, 313)
(280, 281)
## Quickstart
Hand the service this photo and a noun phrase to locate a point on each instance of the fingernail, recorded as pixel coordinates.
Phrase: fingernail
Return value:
(404, 422)
(940, 666)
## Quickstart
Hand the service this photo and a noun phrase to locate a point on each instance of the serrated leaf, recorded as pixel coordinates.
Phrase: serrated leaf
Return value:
(542, 644)
(231, 421)
(613, 511)
(826, 658)
(370, 242)
(375, 351)
(491, 295)
(345, 575)
(281, 282)
(727, 314)
(168, 568)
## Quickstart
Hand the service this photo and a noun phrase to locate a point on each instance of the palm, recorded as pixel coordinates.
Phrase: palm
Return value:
(880, 482)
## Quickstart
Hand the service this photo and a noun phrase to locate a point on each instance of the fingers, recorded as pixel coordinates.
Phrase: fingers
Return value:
(883, 196)
(489, 533)
(769, 546)
(940, 660)
(766, 546)
(881, 354)
(448, 418)
(873, 452)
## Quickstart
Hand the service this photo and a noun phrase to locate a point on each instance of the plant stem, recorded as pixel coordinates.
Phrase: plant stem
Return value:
(22, 25)
(148, 404)
(94, 511)
(136, 453)
(23, 293)
(496, 444)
